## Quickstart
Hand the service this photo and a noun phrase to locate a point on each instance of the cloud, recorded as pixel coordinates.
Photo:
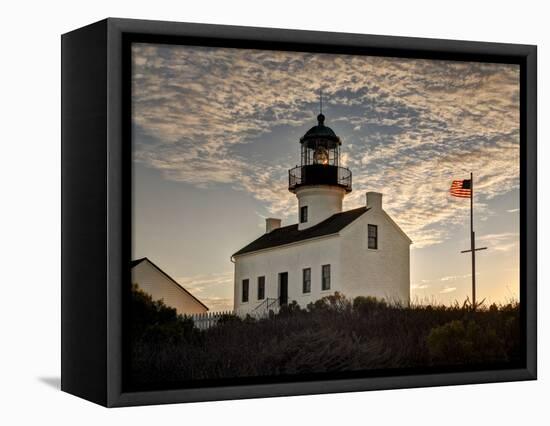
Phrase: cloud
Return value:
(208, 288)
(206, 282)
(419, 286)
(202, 115)
(512, 210)
(503, 242)
(454, 277)
(448, 278)
(218, 304)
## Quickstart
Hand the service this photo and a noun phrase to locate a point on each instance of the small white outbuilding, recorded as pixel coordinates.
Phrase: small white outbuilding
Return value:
(160, 286)
(359, 252)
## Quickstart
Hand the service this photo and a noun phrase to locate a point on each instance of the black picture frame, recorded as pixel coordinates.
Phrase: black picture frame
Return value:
(96, 229)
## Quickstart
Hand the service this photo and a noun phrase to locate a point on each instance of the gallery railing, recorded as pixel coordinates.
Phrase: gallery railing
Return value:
(319, 174)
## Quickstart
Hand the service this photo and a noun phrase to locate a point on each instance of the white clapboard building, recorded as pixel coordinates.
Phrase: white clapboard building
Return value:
(359, 252)
(160, 286)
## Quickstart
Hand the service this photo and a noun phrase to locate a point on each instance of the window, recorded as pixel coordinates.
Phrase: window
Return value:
(326, 278)
(373, 237)
(306, 280)
(261, 288)
(303, 214)
(245, 291)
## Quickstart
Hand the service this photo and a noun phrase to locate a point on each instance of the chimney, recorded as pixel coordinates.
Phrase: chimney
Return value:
(271, 224)
(374, 200)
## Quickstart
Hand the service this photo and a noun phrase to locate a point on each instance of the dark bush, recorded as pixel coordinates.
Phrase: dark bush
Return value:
(456, 341)
(368, 303)
(313, 351)
(147, 315)
(336, 302)
(332, 334)
(228, 319)
(290, 309)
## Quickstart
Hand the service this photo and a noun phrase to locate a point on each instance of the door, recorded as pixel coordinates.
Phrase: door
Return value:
(283, 288)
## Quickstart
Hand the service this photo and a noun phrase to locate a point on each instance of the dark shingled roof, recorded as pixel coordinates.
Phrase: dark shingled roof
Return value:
(291, 234)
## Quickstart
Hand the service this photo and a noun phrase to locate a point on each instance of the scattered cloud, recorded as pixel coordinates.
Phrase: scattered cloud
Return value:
(215, 290)
(408, 126)
(204, 282)
(512, 210)
(218, 304)
(419, 286)
(504, 241)
(455, 277)
(448, 278)
(447, 290)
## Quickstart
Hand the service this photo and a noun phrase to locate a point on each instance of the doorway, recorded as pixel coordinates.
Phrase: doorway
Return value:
(283, 288)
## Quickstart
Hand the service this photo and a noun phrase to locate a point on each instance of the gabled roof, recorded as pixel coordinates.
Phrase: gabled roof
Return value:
(136, 262)
(291, 234)
(396, 226)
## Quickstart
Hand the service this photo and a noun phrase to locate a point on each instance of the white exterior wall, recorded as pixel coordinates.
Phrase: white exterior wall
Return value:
(160, 287)
(356, 270)
(292, 259)
(383, 272)
(322, 201)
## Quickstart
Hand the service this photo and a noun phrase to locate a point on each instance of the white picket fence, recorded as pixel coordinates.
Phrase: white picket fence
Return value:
(208, 319)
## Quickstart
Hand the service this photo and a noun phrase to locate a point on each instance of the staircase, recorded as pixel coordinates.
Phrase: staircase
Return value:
(269, 304)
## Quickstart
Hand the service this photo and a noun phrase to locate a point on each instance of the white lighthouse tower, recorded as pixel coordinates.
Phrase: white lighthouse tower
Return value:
(320, 184)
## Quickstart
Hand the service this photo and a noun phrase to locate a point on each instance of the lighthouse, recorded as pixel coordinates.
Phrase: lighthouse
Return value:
(358, 252)
(319, 182)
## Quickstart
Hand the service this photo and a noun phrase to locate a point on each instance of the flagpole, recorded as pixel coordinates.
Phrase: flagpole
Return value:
(473, 247)
(472, 240)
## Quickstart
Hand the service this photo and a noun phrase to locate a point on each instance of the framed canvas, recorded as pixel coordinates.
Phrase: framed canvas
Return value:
(254, 212)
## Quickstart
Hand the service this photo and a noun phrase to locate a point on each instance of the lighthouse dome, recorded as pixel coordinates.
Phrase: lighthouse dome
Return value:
(320, 132)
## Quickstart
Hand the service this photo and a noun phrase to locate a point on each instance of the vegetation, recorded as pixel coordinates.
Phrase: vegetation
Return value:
(333, 334)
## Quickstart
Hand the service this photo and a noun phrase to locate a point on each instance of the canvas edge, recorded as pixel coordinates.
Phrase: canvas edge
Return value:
(529, 225)
(83, 219)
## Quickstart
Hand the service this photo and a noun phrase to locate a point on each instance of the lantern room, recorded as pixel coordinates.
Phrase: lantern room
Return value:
(320, 160)
(320, 145)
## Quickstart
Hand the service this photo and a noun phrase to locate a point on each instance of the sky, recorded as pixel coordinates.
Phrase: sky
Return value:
(215, 131)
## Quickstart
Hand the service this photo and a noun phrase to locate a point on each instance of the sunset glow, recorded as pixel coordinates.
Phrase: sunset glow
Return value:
(215, 131)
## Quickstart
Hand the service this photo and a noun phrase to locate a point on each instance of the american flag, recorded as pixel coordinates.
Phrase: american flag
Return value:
(461, 188)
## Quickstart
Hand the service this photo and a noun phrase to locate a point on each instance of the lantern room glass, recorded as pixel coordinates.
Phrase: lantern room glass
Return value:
(317, 152)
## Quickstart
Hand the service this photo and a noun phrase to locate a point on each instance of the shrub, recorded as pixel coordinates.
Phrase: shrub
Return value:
(228, 319)
(290, 309)
(146, 313)
(458, 342)
(368, 303)
(330, 349)
(154, 324)
(333, 334)
(336, 302)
